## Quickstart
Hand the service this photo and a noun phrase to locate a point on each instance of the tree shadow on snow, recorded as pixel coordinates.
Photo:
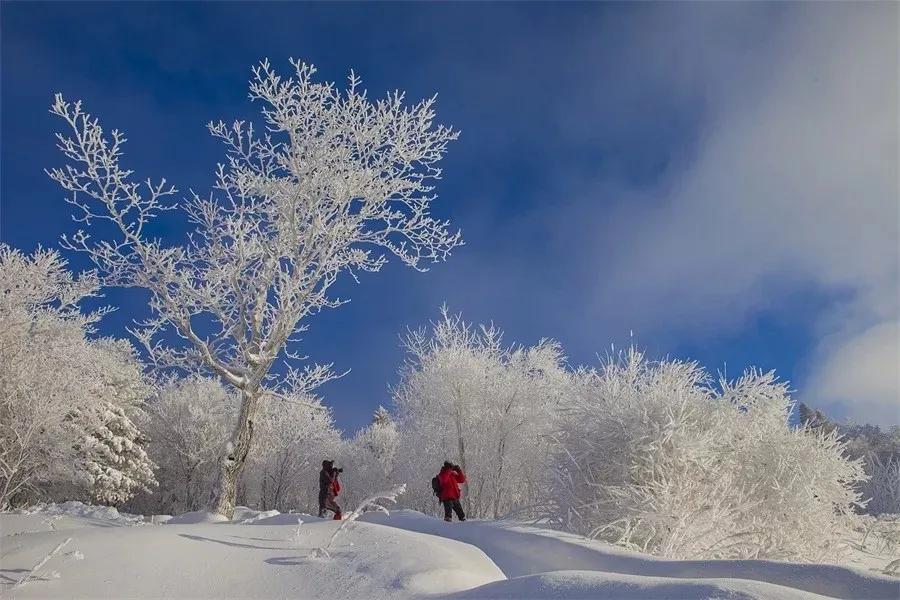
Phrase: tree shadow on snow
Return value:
(286, 561)
(239, 537)
(198, 538)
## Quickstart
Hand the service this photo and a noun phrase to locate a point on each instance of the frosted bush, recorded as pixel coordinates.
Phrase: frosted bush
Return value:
(467, 397)
(883, 487)
(879, 448)
(655, 457)
(187, 421)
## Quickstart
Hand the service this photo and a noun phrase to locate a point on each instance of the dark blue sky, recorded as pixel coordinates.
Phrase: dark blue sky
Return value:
(582, 125)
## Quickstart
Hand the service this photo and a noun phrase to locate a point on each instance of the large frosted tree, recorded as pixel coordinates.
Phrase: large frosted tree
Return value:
(332, 183)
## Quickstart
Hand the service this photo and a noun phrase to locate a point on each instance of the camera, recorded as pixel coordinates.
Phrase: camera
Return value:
(336, 470)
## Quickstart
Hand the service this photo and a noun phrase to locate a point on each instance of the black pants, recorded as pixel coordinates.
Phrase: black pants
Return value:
(456, 507)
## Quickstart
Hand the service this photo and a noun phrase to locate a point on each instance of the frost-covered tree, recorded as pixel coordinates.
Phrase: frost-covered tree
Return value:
(369, 456)
(654, 456)
(334, 184)
(879, 448)
(466, 397)
(187, 422)
(66, 401)
(380, 440)
(296, 433)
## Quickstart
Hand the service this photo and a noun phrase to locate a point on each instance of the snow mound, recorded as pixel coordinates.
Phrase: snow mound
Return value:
(233, 560)
(284, 519)
(197, 516)
(242, 516)
(244, 513)
(259, 516)
(522, 551)
(73, 508)
(596, 585)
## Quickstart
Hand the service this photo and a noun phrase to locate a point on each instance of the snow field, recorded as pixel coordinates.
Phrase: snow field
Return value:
(402, 555)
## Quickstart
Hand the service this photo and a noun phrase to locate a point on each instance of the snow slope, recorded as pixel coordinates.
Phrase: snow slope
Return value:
(525, 552)
(397, 556)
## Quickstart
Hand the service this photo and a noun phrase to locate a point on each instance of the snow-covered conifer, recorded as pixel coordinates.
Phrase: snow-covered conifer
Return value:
(110, 454)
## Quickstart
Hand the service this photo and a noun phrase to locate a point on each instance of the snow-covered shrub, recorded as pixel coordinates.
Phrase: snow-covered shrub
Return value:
(655, 457)
(467, 398)
(61, 392)
(379, 440)
(883, 486)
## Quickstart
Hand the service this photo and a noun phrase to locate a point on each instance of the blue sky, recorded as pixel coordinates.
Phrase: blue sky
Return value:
(716, 181)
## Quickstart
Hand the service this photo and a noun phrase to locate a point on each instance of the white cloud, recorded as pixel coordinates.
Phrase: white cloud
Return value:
(860, 376)
(794, 185)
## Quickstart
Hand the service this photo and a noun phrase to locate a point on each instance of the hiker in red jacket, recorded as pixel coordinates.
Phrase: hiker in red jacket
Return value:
(329, 488)
(449, 479)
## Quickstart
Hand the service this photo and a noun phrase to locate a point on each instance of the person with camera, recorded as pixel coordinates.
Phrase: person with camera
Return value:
(448, 481)
(329, 488)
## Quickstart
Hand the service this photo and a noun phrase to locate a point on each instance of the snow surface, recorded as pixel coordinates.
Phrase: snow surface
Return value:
(401, 555)
(561, 563)
(197, 516)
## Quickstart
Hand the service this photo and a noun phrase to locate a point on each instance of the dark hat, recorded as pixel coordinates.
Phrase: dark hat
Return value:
(448, 464)
(327, 463)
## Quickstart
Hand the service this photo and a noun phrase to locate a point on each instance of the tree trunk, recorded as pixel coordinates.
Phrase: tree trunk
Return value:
(461, 448)
(501, 453)
(232, 461)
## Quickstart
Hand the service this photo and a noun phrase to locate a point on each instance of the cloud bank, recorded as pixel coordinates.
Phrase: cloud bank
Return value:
(794, 185)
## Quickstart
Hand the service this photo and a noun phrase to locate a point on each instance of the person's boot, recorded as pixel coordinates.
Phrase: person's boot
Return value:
(337, 516)
(448, 519)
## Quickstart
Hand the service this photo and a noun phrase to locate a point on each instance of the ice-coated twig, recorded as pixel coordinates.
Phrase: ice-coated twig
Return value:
(369, 503)
(37, 567)
(297, 535)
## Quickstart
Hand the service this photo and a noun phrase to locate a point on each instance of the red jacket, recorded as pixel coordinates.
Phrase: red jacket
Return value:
(329, 483)
(450, 480)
